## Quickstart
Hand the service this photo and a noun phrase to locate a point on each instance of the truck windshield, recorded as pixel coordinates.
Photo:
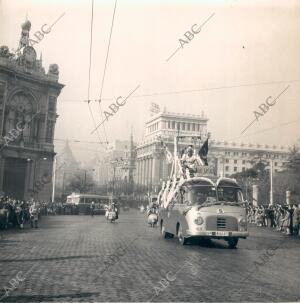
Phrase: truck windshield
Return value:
(198, 195)
(230, 194)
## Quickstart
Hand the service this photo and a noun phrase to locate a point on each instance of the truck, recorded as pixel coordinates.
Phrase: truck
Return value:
(201, 207)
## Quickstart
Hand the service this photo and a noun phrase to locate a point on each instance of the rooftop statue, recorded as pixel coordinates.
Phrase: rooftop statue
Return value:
(24, 40)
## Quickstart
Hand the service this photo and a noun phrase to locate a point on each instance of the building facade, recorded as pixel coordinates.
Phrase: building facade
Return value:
(28, 99)
(117, 168)
(152, 167)
(224, 158)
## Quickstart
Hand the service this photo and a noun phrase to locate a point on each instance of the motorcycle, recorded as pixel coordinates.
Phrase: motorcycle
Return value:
(152, 219)
(4, 218)
(34, 216)
(111, 216)
(20, 217)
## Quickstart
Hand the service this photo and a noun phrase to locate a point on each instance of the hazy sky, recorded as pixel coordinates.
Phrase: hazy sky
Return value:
(244, 42)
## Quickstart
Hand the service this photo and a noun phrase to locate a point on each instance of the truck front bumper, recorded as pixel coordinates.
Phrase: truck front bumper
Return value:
(218, 234)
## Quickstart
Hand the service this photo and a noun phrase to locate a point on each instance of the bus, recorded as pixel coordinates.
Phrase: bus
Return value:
(83, 202)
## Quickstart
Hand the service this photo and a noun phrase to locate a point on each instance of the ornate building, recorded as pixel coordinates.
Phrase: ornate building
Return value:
(224, 158)
(152, 166)
(28, 99)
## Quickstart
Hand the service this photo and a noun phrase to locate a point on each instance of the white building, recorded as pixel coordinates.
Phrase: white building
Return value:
(225, 158)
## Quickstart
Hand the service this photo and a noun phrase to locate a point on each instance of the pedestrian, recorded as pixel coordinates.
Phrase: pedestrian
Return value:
(296, 215)
(290, 220)
(284, 219)
(272, 216)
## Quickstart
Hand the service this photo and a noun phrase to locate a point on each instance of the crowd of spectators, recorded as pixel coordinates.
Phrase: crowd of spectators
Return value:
(284, 218)
(16, 213)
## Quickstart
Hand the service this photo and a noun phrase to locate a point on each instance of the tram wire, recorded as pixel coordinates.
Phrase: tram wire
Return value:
(89, 78)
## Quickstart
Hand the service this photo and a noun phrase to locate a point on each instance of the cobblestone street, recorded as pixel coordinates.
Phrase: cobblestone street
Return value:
(79, 258)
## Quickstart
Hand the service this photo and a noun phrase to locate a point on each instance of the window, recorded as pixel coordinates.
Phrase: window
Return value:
(275, 163)
(198, 195)
(230, 194)
(183, 126)
(227, 160)
(235, 168)
(198, 127)
(243, 169)
(193, 127)
(244, 161)
(188, 126)
(235, 161)
(226, 168)
(169, 124)
(173, 124)
(178, 125)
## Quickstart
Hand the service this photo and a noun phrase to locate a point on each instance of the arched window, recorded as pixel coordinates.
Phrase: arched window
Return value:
(20, 114)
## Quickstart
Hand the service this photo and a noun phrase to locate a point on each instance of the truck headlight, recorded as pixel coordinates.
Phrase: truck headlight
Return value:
(243, 223)
(199, 221)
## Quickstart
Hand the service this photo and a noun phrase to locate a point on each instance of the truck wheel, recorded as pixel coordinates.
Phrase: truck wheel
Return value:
(182, 240)
(164, 234)
(232, 242)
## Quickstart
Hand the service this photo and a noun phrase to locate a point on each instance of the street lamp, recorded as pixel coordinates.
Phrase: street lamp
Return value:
(85, 178)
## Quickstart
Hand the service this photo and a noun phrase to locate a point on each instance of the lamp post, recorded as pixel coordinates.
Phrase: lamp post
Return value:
(85, 171)
(271, 182)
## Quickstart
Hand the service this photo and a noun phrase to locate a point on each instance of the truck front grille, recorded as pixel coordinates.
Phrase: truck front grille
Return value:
(227, 223)
(221, 223)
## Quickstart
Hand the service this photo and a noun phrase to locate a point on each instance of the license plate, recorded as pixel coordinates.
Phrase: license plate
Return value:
(222, 233)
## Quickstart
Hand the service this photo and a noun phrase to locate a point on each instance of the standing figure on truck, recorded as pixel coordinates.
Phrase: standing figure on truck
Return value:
(189, 163)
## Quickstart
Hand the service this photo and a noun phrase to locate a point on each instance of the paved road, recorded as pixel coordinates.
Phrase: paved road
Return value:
(79, 258)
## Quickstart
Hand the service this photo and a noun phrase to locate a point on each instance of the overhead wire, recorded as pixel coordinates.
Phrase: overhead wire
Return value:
(105, 67)
(90, 67)
(265, 130)
(194, 90)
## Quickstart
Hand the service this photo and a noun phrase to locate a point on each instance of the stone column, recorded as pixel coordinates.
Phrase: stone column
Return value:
(150, 172)
(155, 170)
(138, 171)
(143, 171)
(147, 172)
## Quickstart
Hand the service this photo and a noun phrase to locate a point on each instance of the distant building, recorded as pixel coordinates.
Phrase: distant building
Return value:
(66, 166)
(116, 169)
(234, 157)
(28, 98)
(225, 158)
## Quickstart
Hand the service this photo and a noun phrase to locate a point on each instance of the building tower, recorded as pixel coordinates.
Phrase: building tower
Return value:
(28, 99)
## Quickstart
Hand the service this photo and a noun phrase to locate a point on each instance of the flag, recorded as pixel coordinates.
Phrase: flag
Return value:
(168, 154)
(203, 151)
